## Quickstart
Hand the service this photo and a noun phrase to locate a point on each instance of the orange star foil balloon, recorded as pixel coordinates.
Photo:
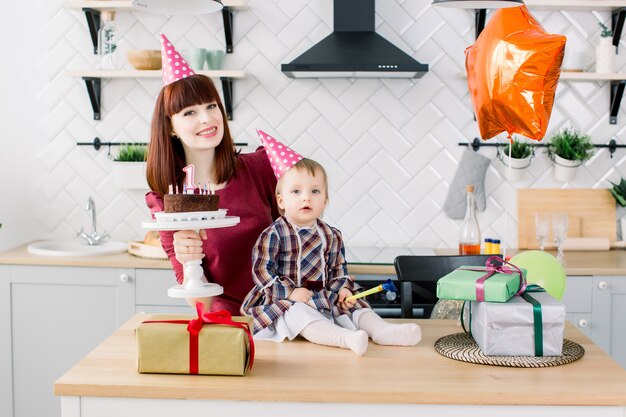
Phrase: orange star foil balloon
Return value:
(512, 73)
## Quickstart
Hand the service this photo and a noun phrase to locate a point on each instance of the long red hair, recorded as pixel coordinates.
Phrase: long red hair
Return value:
(166, 156)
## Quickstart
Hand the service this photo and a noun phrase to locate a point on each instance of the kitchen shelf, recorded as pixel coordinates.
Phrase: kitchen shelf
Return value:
(576, 4)
(617, 8)
(92, 9)
(126, 5)
(150, 73)
(93, 83)
(616, 79)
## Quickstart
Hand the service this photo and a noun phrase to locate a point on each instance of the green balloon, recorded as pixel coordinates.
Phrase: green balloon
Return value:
(542, 269)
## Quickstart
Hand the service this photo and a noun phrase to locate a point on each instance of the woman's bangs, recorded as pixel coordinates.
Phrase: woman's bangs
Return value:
(189, 92)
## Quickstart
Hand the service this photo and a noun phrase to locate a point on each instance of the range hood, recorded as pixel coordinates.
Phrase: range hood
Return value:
(354, 49)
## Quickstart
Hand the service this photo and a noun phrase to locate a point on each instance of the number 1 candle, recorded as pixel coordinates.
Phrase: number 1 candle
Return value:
(189, 178)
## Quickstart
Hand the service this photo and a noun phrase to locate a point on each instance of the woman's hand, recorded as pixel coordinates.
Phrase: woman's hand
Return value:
(188, 245)
(342, 303)
(300, 294)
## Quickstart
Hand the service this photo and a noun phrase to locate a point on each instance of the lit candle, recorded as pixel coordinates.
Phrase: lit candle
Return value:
(189, 187)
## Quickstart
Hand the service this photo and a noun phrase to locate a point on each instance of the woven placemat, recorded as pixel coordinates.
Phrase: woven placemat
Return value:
(462, 347)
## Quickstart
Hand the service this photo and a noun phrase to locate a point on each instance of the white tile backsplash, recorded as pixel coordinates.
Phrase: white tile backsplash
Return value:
(390, 146)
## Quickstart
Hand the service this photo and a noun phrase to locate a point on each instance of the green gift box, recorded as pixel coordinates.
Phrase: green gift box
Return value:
(165, 345)
(461, 284)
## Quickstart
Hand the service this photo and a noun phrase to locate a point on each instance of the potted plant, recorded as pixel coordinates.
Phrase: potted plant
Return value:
(605, 51)
(568, 149)
(517, 155)
(619, 192)
(130, 167)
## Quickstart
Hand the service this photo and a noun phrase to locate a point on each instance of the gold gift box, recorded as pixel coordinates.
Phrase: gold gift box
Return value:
(164, 347)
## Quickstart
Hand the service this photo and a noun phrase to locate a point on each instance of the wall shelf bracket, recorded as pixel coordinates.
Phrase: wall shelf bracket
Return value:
(227, 16)
(227, 90)
(93, 22)
(617, 91)
(617, 25)
(480, 16)
(94, 91)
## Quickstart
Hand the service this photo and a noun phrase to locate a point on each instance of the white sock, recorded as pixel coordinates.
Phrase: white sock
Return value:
(383, 333)
(324, 332)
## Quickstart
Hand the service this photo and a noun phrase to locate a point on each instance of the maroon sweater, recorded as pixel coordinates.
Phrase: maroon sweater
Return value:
(249, 194)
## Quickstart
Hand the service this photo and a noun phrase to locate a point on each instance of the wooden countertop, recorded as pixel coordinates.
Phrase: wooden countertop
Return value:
(611, 262)
(21, 256)
(296, 371)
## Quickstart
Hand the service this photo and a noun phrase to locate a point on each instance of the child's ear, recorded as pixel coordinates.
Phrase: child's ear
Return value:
(279, 201)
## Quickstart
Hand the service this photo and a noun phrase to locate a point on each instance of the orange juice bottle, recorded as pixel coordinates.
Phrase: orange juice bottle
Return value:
(469, 236)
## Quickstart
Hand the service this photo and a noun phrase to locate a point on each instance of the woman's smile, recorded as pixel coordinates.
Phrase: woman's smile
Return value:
(208, 132)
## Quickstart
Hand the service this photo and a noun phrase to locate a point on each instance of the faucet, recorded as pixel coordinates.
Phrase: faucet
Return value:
(93, 238)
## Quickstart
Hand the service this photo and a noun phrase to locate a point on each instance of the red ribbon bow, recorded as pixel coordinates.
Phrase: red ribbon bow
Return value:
(194, 327)
(491, 268)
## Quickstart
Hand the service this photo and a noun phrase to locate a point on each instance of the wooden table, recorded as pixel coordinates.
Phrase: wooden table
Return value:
(303, 379)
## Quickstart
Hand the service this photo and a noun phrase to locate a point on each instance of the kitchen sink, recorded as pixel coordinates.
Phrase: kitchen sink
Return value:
(75, 248)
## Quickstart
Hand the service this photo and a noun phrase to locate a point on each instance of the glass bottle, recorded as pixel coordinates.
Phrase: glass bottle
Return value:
(469, 237)
(107, 41)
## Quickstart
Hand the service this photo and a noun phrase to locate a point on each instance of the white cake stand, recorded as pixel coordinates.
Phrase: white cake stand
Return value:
(193, 286)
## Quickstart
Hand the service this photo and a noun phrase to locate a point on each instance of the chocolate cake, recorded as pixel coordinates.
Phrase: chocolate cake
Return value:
(181, 203)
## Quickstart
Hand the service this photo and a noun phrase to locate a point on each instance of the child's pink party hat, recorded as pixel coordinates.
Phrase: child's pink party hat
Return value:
(281, 156)
(174, 65)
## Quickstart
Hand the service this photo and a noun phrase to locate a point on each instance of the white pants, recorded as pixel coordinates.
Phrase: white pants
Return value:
(299, 315)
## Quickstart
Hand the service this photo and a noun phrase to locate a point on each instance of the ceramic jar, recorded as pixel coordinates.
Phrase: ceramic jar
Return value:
(605, 56)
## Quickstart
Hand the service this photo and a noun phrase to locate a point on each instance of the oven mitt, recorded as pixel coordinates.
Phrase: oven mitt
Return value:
(471, 170)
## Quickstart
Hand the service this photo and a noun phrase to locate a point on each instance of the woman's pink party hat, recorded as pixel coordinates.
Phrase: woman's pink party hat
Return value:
(174, 65)
(281, 156)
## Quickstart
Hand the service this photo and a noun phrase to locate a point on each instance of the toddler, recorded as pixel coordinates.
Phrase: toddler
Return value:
(299, 269)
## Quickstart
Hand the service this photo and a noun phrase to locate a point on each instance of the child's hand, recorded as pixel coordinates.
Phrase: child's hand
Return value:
(188, 245)
(343, 304)
(300, 294)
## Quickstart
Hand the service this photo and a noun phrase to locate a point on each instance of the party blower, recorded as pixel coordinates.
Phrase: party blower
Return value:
(387, 286)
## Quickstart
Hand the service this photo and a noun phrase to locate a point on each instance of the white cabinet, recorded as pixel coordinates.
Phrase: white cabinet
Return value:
(577, 300)
(52, 317)
(597, 306)
(151, 293)
(609, 313)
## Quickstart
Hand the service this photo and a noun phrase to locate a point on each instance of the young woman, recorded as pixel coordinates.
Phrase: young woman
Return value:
(189, 126)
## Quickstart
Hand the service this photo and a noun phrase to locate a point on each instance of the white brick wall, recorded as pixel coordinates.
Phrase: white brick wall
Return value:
(390, 146)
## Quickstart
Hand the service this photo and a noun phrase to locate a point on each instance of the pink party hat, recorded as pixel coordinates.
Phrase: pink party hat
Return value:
(174, 65)
(281, 156)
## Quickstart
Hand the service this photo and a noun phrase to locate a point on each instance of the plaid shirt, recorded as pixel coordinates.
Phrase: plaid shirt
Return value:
(275, 274)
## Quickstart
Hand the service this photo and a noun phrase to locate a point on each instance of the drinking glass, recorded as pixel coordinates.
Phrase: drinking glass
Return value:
(560, 222)
(542, 228)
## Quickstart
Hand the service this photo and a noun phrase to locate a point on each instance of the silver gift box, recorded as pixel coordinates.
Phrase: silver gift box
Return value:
(506, 329)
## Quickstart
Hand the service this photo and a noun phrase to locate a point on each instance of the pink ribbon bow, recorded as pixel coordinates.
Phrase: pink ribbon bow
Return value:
(492, 268)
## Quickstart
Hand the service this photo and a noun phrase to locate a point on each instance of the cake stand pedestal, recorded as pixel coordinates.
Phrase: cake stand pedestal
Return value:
(193, 285)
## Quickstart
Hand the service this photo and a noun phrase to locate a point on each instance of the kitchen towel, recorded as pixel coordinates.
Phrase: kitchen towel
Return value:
(471, 170)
